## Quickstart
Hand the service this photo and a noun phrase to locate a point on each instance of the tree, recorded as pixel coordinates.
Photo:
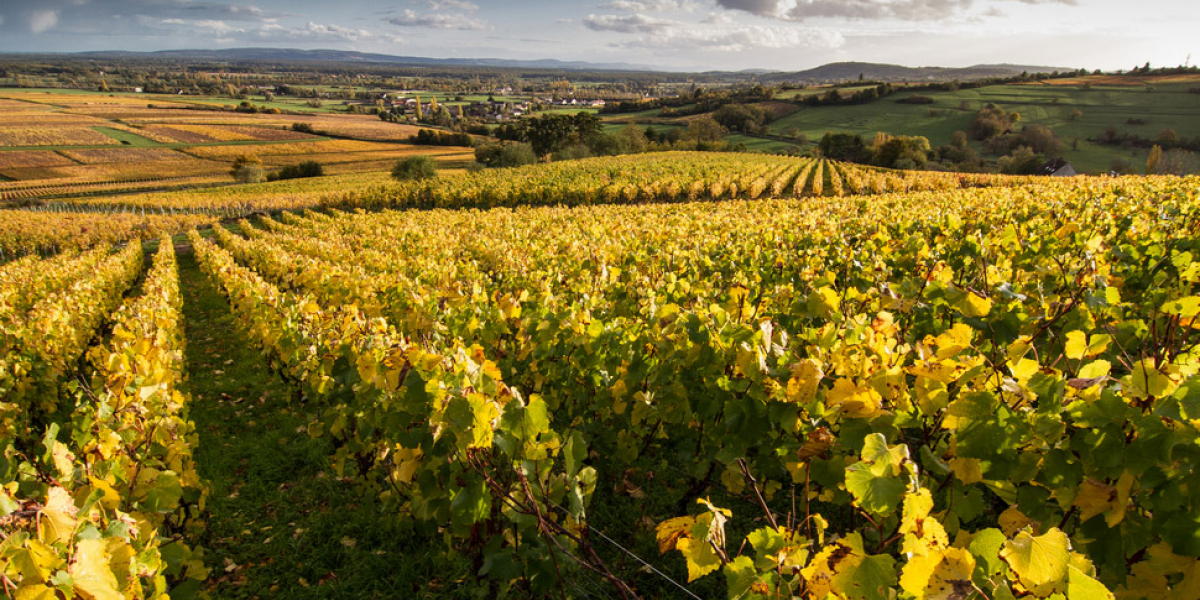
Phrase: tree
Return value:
(990, 121)
(1040, 139)
(505, 155)
(1022, 161)
(632, 140)
(419, 114)
(1074, 114)
(1153, 160)
(958, 139)
(247, 169)
(548, 134)
(414, 168)
(704, 129)
(739, 117)
(1179, 162)
(903, 152)
(844, 146)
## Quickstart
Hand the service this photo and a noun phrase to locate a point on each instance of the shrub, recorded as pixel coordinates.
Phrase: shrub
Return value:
(915, 99)
(505, 155)
(414, 168)
(308, 168)
(247, 169)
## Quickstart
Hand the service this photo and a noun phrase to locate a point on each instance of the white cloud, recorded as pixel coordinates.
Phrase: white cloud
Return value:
(455, 5)
(903, 10)
(42, 20)
(739, 38)
(314, 32)
(714, 34)
(439, 21)
(634, 23)
(227, 33)
(644, 6)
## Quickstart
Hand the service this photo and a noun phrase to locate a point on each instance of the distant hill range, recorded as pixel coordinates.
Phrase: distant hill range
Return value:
(281, 55)
(834, 72)
(849, 71)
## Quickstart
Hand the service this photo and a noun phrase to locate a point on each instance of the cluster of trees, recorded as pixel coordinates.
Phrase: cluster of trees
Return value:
(836, 97)
(1175, 161)
(249, 169)
(414, 168)
(1021, 152)
(893, 152)
(1168, 139)
(430, 137)
(569, 137)
(308, 168)
(743, 118)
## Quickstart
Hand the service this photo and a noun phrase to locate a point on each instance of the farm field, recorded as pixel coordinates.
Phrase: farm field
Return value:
(667, 375)
(58, 144)
(1154, 108)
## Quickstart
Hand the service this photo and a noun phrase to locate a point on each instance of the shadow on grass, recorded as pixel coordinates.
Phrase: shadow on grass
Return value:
(280, 523)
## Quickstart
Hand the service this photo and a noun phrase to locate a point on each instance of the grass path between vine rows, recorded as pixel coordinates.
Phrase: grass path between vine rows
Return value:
(280, 523)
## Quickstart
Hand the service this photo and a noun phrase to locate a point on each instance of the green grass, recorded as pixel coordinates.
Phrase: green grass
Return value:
(633, 116)
(757, 144)
(568, 110)
(1168, 106)
(127, 138)
(146, 143)
(280, 523)
(817, 91)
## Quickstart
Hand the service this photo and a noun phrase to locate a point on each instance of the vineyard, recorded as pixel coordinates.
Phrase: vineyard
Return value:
(672, 375)
(60, 146)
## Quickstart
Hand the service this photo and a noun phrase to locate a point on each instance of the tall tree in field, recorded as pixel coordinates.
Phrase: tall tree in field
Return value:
(418, 97)
(1153, 160)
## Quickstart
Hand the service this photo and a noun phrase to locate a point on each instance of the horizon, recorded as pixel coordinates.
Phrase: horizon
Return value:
(670, 35)
(603, 66)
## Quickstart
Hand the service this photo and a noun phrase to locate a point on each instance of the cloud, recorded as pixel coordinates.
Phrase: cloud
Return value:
(225, 32)
(41, 20)
(711, 34)
(314, 32)
(453, 4)
(903, 10)
(439, 21)
(635, 23)
(644, 6)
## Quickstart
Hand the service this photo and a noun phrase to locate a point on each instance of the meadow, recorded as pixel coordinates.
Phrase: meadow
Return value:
(1152, 108)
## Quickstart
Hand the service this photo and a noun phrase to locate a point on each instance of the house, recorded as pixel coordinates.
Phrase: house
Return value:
(1058, 168)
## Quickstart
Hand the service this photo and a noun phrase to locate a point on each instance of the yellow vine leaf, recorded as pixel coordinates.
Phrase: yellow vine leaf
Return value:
(1077, 345)
(830, 569)
(939, 575)
(1039, 562)
(802, 386)
(954, 340)
(1012, 520)
(92, 573)
(922, 534)
(854, 401)
(670, 531)
(700, 556)
(967, 470)
(58, 517)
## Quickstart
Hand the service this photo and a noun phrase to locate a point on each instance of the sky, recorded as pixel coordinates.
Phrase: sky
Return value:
(686, 35)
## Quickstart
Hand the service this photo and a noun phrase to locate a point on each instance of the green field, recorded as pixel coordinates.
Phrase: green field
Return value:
(1165, 106)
